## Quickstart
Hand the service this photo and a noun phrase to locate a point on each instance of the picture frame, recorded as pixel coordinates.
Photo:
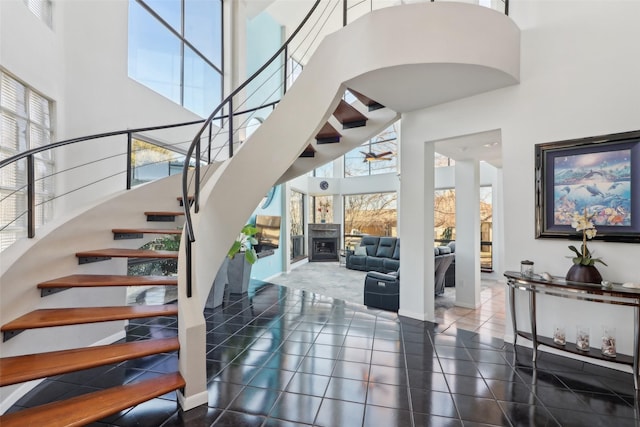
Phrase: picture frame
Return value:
(599, 173)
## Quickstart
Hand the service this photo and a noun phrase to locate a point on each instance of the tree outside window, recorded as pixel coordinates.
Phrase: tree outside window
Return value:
(373, 214)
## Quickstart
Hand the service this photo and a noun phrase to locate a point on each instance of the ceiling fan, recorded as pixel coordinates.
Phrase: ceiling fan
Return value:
(373, 157)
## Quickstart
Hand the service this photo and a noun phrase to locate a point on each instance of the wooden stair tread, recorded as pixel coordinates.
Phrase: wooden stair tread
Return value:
(370, 103)
(164, 213)
(309, 151)
(84, 409)
(148, 230)
(328, 133)
(97, 280)
(48, 317)
(17, 369)
(348, 114)
(127, 253)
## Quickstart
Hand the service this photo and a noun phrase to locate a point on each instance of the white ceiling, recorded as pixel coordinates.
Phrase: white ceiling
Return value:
(483, 146)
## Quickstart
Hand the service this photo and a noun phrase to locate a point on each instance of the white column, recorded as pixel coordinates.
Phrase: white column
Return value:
(467, 233)
(498, 226)
(286, 217)
(416, 222)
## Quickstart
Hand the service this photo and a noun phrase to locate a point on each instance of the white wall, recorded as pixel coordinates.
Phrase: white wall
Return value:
(579, 77)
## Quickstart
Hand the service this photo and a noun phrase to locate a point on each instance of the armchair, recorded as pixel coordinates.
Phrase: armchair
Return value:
(382, 290)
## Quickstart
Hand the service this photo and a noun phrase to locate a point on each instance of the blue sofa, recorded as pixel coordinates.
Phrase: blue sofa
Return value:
(382, 255)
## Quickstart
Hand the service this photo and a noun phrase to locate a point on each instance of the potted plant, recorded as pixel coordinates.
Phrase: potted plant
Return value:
(239, 267)
(583, 268)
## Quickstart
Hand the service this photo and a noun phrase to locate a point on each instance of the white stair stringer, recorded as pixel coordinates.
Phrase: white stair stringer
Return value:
(445, 50)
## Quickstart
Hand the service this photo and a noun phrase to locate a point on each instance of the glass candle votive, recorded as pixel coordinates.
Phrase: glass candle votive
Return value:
(526, 269)
(582, 338)
(608, 341)
(559, 336)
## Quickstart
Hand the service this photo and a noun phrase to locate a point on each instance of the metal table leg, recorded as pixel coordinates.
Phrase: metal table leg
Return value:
(534, 329)
(512, 303)
(636, 343)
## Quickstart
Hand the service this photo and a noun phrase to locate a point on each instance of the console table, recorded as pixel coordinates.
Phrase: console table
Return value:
(558, 286)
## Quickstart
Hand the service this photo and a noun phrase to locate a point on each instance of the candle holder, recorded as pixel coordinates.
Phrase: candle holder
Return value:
(608, 341)
(582, 338)
(559, 336)
(526, 269)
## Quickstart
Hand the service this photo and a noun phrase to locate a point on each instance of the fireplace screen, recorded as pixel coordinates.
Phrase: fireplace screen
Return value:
(324, 249)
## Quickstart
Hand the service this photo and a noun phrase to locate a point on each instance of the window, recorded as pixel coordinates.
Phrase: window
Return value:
(374, 214)
(296, 218)
(42, 9)
(25, 123)
(294, 68)
(178, 55)
(444, 206)
(376, 156)
(324, 171)
(441, 161)
(322, 210)
(150, 162)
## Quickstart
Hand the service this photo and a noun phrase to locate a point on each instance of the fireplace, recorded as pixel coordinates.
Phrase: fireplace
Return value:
(324, 249)
(324, 241)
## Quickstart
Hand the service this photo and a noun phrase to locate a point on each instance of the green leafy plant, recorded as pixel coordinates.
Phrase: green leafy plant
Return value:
(244, 243)
(582, 222)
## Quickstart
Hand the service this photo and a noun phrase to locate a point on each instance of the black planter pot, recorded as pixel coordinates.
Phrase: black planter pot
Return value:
(584, 274)
(238, 274)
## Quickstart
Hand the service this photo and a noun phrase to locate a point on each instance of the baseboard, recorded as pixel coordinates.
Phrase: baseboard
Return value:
(417, 316)
(192, 401)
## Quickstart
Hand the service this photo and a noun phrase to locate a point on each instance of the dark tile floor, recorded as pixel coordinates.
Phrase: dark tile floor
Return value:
(284, 357)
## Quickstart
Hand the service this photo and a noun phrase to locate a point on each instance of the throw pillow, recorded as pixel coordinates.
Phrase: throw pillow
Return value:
(360, 250)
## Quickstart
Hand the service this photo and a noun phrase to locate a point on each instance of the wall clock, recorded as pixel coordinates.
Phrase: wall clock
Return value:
(324, 185)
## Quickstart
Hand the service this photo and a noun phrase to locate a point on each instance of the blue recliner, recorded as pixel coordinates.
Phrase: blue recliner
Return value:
(382, 290)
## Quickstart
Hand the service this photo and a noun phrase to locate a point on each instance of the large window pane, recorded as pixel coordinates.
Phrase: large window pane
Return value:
(161, 56)
(322, 210)
(376, 156)
(445, 222)
(169, 10)
(373, 214)
(202, 85)
(324, 171)
(150, 162)
(13, 96)
(444, 211)
(202, 30)
(296, 218)
(25, 123)
(154, 54)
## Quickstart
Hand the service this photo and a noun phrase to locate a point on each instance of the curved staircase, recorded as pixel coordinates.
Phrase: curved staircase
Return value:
(86, 408)
(311, 126)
